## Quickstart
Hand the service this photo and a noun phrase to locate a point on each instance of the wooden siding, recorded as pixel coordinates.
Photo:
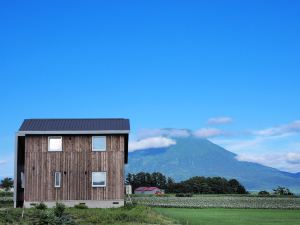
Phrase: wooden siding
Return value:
(76, 163)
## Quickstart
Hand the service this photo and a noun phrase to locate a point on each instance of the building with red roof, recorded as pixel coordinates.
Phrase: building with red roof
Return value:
(148, 190)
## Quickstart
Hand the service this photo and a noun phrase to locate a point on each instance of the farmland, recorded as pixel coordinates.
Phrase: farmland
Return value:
(200, 209)
(232, 216)
(220, 201)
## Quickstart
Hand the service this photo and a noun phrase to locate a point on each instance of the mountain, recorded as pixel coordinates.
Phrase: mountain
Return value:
(294, 175)
(193, 156)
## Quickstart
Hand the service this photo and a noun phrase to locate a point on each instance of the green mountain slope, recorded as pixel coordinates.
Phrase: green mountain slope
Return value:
(200, 157)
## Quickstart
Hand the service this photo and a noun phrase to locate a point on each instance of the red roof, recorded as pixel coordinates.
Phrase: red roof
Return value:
(146, 189)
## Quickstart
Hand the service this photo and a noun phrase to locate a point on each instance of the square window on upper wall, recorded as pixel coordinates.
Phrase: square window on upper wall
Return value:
(99, 143)
(55, 144)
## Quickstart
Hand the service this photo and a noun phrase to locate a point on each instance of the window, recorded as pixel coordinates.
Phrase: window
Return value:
(54, 144)
(98, 179)
(22, 180)
(57, 179)
(99, 143)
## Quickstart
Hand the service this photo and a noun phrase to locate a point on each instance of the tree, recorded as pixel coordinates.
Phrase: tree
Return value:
(195, 185)
(129, 178)
(282, 191)
(7, 183)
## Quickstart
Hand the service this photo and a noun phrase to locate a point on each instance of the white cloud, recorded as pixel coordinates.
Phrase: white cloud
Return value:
(293, 157)
(152, 142)
(219, 120)
(3, 162)
(284, 161)
(293, 127)
(237, 145)
(281, 152)
(249, 143)
(171, 132)
(208, 132)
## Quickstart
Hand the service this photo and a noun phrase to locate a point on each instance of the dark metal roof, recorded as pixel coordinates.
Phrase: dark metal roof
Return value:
(74, 124)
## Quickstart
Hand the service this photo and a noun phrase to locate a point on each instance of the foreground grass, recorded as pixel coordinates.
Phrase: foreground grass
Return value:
(6, 204)
(232, 216)
(126, 215)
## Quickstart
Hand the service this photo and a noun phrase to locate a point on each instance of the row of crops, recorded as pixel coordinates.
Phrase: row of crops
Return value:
(203, 201)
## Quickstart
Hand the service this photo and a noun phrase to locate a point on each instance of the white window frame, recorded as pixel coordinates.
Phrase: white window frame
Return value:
(104, 185)
(98, 150)
(55, 175)
(22, 179)
(56, 137)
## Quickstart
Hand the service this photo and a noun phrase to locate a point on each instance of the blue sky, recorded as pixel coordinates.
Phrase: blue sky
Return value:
(170, 64)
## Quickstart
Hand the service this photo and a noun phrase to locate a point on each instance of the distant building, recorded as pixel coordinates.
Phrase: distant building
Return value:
(148, 190)
(128, 189)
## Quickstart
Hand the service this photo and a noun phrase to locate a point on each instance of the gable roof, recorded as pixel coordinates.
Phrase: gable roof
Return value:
(45, 125)
(146, 188)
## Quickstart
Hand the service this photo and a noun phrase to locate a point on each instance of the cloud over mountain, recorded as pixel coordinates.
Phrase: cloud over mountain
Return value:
(208, 132)
(152, 142)
(167, 132)
(293, 127)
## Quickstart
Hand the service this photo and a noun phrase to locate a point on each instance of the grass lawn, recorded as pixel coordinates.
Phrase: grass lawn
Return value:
(215, 216)
(135, 215)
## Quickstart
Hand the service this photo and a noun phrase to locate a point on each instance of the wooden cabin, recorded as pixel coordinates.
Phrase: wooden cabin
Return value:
(73, 161)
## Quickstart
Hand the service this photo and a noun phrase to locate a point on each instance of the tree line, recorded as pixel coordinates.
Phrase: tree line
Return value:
(196, 185)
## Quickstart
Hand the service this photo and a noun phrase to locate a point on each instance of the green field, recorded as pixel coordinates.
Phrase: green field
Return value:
(220, 201)
(232, 216)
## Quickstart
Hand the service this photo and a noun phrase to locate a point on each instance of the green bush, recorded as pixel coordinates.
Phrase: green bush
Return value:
(80, 206)
(41, 206)
(184, 195)
(264, 193)
(59, 209)
(55, 216)
(6, 194)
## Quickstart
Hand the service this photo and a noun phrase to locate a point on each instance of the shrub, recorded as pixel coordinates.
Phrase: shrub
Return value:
(80, 206)
(264, 193)
(179, 195)
(55, 216)
(41, 206)
(184, 195)
(64, 219)
(59, 209)
(40, 217)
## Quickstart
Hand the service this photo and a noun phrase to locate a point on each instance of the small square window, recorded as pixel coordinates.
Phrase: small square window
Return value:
(57, 179)
(54, 144)
(99, 143)
(98, 179)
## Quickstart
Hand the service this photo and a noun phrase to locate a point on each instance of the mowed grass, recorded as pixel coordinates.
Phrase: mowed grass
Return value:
(215, 216)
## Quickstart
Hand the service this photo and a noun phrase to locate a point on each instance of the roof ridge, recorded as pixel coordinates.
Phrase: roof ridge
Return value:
(75, 124)
(108, 118)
